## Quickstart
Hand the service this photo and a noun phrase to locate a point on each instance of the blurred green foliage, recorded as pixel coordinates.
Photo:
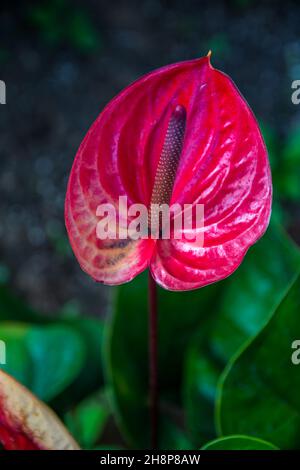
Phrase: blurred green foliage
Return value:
(126, 357)
(60, 22)
(225, 367)
(249, 298)
(259, 389)
(32, 350)
(88, 419)
(284, 154)
(225, 370)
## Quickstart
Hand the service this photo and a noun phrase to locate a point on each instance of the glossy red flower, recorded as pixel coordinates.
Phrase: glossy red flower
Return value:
(181, 134)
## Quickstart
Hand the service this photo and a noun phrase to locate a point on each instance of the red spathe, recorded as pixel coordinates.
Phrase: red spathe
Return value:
(223, 165)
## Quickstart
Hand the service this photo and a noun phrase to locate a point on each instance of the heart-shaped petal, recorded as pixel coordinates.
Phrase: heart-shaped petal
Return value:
(219, 160)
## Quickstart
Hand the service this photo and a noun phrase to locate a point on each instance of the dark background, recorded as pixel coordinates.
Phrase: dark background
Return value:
(62, 61)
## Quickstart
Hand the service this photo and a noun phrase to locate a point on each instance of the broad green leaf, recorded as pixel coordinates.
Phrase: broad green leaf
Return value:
(18, 361)
(87, 420)
(259, 390)
(200, 382)
(239, 442)
(250, 296)
(57, 353)
(127, 356)
(173, 436)
(45, 358)
(90, 378)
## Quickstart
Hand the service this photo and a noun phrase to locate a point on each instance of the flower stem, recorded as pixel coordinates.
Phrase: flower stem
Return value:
(153, 382)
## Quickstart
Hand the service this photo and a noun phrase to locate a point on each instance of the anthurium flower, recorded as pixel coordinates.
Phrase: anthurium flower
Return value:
(28, 424)
(182, 134)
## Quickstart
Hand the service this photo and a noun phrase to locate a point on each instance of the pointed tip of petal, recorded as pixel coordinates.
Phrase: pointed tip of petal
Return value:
(208, 57)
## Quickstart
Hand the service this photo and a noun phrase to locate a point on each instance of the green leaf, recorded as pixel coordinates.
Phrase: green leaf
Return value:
(289, 175)
(18, 361)
(127, 357)
(239, 442)
(284, 158)
(250, 297)
(46, 359)
(259, 390)
(58, 354)
(87, 420)
(172, 436)
(91, 330)
(201, 378)
(90, 378)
